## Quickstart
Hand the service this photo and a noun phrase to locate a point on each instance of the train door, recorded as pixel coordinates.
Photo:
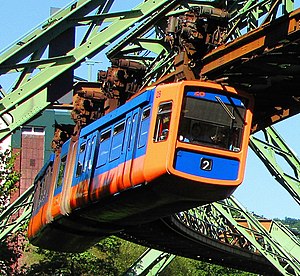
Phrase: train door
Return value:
(126, 155)
(131, 148)
(118, 153)
(42, 184)
(100, 183)
(84, 169)
(59, 179)
(66, 187)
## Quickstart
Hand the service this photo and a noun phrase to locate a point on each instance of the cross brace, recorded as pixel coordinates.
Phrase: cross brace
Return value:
(151, 262)
(16, 215)
(274, 146)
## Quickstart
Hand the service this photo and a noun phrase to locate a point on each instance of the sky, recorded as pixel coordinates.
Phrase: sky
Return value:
(259, 192)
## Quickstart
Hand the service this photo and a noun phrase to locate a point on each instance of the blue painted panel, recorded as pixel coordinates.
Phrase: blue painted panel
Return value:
(212, 97)
(116, 146)
(103, 152)
(65, 148)
(58, 190)
(221, 168)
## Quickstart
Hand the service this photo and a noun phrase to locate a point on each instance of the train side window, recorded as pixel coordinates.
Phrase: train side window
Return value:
(162, 124)
(117, 141)
(61, 171)
(133, 131)
(82, 147)
(48, 183)
(146, 113)
(144, 127)
(41, 192)
(104, 136)
(104, 147)
(79, 168)
(37, 195)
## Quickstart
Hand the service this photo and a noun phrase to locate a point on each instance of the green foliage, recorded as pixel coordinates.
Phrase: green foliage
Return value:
(10, 249)
(8, 176)
(292, 223)
(129, 253)
(99, 260)
(10, 252)
(182, 266)
(112, 256)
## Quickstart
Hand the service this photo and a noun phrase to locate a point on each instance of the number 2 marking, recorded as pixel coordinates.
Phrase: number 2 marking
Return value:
(206, 164)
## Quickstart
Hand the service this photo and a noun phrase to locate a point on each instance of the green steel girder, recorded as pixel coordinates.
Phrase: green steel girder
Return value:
(16, 214)
(259, 237)
(274, 146)
(231, 225)
(46, 31)
(21, 104)
(151, 262)
(207, 221)
(248, 15)
(286, 238)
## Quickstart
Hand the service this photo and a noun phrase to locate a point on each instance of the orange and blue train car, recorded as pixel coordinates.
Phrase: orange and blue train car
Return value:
(169, 148)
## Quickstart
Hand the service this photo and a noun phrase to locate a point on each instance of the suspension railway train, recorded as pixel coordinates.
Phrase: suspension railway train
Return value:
(169, 148)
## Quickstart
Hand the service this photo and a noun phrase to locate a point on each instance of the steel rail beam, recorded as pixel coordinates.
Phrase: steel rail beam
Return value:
(253, 43)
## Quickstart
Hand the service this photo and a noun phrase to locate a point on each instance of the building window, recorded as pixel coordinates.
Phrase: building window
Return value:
(33, 130)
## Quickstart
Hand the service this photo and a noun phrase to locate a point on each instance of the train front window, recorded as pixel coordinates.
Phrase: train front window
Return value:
(213, 120)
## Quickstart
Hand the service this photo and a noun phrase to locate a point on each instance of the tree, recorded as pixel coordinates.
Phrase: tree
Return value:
(9, 177)
(10, 251)
(99, 260)
(111, 256)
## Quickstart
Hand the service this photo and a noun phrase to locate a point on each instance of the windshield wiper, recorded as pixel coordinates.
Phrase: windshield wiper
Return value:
(236, 109)
(229, 113)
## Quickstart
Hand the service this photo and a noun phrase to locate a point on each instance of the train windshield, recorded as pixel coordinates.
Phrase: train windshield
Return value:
(212, 119)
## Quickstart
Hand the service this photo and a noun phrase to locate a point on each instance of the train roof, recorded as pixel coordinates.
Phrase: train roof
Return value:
(117, 113)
